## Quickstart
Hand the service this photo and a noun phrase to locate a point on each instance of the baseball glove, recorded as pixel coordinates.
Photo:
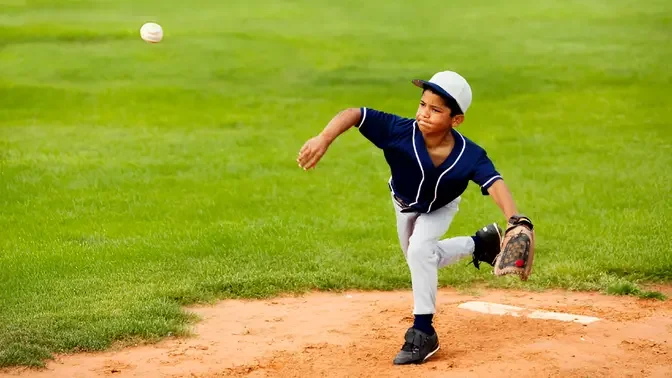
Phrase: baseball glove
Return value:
(517, 250)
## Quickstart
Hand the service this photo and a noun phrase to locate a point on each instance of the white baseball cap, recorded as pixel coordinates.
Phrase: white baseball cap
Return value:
(451, 85)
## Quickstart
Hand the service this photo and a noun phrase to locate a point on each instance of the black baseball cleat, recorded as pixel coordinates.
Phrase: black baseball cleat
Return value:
(418, 347)
(488, 241)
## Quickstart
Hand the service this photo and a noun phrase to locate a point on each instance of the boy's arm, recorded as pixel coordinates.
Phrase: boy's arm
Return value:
(502, 196)
(313, 150)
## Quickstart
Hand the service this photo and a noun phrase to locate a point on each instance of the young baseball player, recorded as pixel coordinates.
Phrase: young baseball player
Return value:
(431, 164)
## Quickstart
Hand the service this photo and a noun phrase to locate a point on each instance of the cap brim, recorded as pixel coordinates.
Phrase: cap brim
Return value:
(420, 83)
(436, 88)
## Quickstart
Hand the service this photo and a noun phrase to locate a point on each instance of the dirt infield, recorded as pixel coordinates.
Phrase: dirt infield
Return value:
(356, 334)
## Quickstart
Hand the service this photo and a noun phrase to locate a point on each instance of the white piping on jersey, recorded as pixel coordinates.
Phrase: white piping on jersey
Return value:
(417, 197)
(389, 182)
(363, 118)
(436, 189)
(487, 182)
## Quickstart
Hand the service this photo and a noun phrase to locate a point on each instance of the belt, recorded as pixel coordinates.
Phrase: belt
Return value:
(405, 208)
(401, 202)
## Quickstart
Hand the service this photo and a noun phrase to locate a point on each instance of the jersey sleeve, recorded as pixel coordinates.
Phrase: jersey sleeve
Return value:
(485, 174)
(378, 127)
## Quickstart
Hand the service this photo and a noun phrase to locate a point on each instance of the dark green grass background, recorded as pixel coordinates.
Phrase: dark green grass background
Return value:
(136, 178)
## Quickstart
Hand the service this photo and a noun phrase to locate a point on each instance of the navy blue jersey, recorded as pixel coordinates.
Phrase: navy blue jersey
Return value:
(415, 179)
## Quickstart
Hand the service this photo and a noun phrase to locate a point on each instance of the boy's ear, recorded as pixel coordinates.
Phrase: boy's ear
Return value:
(457, 120)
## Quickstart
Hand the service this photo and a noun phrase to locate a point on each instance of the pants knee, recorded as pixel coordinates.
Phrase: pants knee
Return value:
(421, 252)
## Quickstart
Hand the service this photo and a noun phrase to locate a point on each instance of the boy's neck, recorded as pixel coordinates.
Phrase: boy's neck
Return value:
(439, 139)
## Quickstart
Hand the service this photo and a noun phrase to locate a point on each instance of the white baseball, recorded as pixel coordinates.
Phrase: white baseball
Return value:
(151, 32)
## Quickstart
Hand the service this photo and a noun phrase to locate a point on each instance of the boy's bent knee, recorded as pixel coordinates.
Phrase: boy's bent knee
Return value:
(422, 252)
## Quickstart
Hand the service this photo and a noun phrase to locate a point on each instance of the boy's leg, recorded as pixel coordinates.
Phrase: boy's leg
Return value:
(424, 230)
(425, 252)
(423, 255)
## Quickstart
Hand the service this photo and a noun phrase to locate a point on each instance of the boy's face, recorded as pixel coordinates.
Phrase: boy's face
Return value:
(434, 116)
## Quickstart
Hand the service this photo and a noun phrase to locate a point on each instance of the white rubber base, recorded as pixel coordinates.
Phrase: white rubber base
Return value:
(500, 309)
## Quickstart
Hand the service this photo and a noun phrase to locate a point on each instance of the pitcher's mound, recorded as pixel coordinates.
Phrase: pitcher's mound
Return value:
(357, 334)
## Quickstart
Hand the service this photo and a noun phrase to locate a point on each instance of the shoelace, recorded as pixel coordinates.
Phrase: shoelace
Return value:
(414, 345)
(476, 263)
(408, 347)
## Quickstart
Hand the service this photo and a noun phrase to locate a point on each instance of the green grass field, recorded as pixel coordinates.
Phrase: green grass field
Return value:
(137, 178)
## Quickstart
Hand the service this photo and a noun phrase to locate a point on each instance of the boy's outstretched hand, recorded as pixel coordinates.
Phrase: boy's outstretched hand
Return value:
(312, 151)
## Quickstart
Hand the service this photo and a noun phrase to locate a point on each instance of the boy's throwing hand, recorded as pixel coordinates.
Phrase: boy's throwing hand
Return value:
(312, 151)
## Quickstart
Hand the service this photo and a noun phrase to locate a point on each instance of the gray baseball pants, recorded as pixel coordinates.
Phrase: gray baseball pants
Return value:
(425, 254)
